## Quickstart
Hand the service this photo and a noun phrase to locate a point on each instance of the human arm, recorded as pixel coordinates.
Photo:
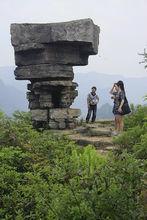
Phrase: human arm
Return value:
(120, 107)
(112, 90)
(122, 97)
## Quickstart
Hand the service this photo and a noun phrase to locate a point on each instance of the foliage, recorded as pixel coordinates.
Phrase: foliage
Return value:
(86, 196)
(144, 54)
(137, 118)
(140, 149)
(48, 177)
(134, 138)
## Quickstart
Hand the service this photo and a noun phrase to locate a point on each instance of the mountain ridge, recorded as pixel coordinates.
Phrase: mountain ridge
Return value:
(14, 91)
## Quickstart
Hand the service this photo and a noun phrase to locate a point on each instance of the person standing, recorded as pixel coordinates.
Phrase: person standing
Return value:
(92, 101)
(119, 97)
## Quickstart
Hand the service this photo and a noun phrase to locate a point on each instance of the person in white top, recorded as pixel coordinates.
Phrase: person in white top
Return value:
(92, 101)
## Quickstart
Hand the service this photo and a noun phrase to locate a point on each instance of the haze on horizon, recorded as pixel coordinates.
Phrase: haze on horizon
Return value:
(122, 23)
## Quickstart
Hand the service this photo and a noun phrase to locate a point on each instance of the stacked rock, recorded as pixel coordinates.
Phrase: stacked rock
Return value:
(44, 55)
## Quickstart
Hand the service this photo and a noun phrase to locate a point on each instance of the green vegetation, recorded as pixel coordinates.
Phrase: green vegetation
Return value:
(144, 61)
(134, 141)
(43, 176)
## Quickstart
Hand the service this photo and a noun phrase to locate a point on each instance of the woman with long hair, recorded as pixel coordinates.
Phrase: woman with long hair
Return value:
(118, 95)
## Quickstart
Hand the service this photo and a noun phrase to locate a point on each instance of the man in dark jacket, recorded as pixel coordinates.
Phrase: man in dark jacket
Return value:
(92, 101)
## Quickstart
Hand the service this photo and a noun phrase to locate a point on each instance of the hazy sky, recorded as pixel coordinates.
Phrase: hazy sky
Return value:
(122, 23)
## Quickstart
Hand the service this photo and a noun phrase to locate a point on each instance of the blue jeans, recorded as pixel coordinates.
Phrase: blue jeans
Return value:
(92, 109)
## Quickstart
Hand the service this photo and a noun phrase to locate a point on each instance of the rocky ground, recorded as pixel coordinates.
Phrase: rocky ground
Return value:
(98, 134)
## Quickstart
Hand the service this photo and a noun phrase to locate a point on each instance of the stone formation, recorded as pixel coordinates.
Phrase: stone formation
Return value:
(45, 55)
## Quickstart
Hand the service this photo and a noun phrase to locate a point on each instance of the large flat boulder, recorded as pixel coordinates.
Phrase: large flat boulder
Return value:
(64, 54)
(43, 71)
(34, 36)
(64, 113)
(39, 115)
(54, 83)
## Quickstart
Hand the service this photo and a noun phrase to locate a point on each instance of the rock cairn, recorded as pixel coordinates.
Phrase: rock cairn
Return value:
(45, 55)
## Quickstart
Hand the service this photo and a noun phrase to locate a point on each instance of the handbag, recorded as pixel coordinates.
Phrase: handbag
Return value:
(126, 108)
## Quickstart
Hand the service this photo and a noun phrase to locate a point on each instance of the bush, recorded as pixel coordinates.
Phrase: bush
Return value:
(137, 118)
(134, 138)
(76, 186)
(85, 194)
(129, 138)
(140, 149)
(48, 177)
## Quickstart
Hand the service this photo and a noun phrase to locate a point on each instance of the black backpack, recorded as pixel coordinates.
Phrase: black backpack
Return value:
(126, 108)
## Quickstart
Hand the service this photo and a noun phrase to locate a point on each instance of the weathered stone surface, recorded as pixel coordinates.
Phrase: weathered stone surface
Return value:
(46, 104)
(64, 54)
(34, 104)
(73, 113)
(45, 101)
(39, 115)
(58, 118)
(53, 125)
(71, 125)
(29, 46)
(43, 71)
(62, 124)
(45, 97)
(58, 113)
(68, 98)
(57, 124)
(31, 96)
(29, 36)
(45, 54)
(63, 113)
(54, 83)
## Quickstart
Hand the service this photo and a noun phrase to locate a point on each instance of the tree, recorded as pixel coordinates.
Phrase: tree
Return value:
(144, 54)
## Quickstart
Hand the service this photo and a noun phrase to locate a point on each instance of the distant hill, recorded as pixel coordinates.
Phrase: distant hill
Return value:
(105, 111)
(12, 92)
(136, 88)
(12, 95)
(8, 78)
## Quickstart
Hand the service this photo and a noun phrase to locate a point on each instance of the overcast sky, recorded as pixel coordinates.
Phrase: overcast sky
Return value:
(122, 23)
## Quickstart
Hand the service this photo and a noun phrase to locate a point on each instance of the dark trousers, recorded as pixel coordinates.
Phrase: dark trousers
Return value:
(92, 109)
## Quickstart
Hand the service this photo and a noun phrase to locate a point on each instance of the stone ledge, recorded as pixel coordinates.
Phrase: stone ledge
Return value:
(81, 31)
(39, 115)
(64, 113)
(43, 71)
(65, 83)
(63, 54)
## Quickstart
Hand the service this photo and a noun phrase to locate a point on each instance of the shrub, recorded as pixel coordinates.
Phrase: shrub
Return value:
(85, 194)
(48, 177)
(137, 118)
(129, 138)
(140, 149)
(133, 139)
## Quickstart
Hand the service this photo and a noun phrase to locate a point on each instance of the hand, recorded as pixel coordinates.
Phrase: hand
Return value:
(119, 110)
